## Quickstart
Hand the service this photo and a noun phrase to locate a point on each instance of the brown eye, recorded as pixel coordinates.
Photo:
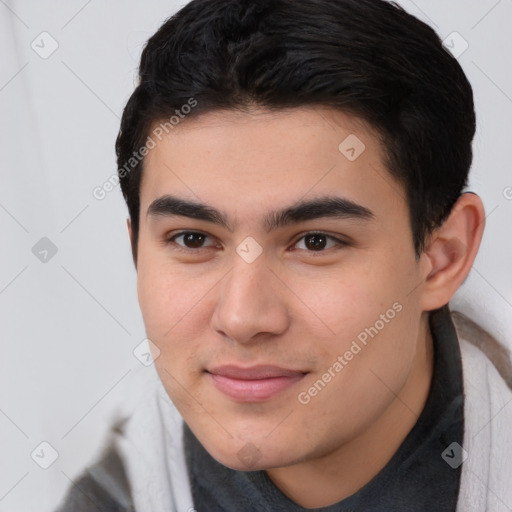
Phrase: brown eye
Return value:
(193, 240)
(190, 240)
(317, 242)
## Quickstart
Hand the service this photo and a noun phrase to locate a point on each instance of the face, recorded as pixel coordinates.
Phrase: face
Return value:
(276, 276)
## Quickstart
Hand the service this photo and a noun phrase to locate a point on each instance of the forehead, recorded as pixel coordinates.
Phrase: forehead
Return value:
(245, 162)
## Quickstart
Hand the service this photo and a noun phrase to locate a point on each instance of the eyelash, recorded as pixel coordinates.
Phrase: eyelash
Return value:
(171, 240)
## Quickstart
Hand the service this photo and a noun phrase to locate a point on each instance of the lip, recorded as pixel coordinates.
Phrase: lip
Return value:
(253, 384)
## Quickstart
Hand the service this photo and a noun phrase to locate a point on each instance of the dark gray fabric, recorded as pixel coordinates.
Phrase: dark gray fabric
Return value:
(103, 487)
(417, 478)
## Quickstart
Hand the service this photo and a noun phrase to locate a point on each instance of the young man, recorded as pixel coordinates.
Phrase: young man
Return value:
(294, 173)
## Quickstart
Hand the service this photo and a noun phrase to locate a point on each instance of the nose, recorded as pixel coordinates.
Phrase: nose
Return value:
(251, 302)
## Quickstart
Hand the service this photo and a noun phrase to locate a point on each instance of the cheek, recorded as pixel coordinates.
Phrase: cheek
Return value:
(341, 305)
(367, 316)
(175, 318)
(156, 301)
(166, 297)
(365, 380)
(170, 304)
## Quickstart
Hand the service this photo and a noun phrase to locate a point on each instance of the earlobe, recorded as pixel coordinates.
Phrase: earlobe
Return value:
(451, 251)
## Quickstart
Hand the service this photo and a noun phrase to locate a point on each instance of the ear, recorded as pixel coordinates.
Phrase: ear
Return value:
(133, 246)
(451, 251)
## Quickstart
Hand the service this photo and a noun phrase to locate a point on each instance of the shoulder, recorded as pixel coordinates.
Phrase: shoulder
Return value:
(102, 487)
(487, 450)
(497, 356)
(487, 371)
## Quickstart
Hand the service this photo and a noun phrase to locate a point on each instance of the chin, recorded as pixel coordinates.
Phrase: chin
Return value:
(246, 455)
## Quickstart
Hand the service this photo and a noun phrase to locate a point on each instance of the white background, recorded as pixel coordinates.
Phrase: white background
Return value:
(69, 326)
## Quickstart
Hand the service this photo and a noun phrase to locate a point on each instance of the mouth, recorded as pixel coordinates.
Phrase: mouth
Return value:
(253, 384)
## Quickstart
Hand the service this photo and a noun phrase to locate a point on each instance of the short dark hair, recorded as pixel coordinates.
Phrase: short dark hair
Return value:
(368, 58)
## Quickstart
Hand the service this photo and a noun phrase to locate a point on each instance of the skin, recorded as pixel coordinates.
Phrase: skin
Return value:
(294, 307)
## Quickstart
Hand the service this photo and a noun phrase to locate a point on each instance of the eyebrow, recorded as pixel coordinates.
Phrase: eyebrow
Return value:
(322, 207)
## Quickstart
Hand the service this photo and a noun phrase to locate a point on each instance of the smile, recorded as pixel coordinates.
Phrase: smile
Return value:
(256, 384)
